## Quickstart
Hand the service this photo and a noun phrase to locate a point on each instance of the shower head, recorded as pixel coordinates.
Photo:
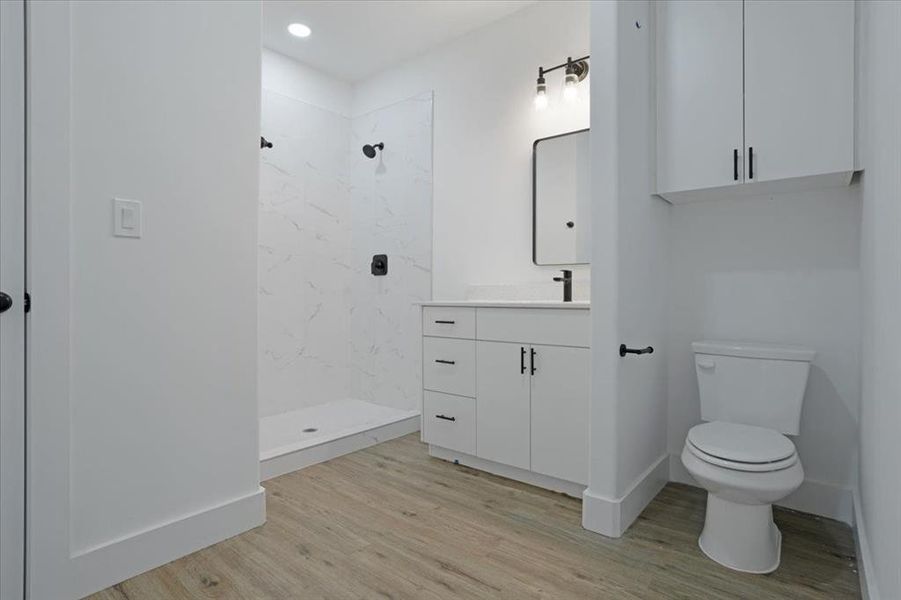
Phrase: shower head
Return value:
(369, 151)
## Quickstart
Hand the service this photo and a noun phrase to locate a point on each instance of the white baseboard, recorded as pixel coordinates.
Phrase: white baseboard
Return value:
(814, 497)
(868, 587)
(537, 479)
(110, 563)
(305, 457)
(612, 516)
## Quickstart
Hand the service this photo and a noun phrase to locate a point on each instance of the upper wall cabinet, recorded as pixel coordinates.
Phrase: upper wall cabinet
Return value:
(753, 97)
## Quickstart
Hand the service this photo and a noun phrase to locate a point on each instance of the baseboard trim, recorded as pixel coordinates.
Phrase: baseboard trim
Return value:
(611, 517)
(868, 587)
(305, 457)
(814, 497)
(537, 479)
(108, 564)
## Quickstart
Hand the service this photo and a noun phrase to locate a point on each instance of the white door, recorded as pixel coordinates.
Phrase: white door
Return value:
(699, 94)
(12, 285)
(560, 388)
(502, 402)
(799, 88)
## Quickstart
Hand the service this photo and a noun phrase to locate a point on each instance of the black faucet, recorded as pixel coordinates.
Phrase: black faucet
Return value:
(567, 280)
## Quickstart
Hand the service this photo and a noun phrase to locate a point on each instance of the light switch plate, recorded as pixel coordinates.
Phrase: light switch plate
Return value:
(126, 218)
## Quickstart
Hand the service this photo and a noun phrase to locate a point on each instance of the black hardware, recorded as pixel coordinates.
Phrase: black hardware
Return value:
(535, 195)
(623, 350)
(750, 162)
(735, 164)
(27, 302)
(532, 361)
(570, 224)
(567, 280)
(369, 149)
(5, 302)
(445, 418)
(379, 265)
(446, 322)
(445, 362)
(522, 360)
(264, 143)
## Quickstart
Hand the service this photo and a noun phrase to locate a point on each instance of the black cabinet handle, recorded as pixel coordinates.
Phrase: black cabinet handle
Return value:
(446, 322)
(532, 361)
(750, 162)
(735, 164)
(446, 418)
(6, 302)
(623, 350)
(445, 362)
(522, 360)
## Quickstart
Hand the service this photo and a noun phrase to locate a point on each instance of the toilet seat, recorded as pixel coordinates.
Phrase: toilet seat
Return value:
(741, 447)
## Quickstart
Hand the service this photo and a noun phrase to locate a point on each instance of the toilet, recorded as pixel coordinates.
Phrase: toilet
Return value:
(751, 396)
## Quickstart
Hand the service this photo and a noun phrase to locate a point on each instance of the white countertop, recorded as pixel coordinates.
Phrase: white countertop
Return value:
(580, 304)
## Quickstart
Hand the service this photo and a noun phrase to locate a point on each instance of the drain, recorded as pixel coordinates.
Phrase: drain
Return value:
(311, 430)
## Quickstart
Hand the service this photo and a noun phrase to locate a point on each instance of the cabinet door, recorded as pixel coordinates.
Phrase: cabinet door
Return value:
(560, 389)
(799, 87)
(502, 403)
(699, 94)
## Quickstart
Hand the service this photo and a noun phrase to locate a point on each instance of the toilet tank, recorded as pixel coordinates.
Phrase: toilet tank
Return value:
(752, 383)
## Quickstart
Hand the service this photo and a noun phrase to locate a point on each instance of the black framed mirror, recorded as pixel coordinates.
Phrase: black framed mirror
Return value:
(561, 200)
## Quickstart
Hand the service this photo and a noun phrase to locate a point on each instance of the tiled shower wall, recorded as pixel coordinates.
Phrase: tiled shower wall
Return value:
(328, 328)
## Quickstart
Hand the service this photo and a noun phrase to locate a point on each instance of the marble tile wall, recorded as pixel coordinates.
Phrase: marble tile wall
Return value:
(391, 211)
(329, 330)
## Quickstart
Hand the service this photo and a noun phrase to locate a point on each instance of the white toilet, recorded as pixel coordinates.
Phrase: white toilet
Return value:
(751, 394)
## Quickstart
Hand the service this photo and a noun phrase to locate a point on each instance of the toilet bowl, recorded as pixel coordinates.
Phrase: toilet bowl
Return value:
(751, 396)
(745, 469)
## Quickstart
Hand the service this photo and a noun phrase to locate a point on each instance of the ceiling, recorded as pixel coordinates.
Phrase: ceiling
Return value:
(354, 39)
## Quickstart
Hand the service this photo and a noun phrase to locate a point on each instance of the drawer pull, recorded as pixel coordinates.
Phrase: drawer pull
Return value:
(446, 322)
(446, 418)
(522, 360)
(445, 362)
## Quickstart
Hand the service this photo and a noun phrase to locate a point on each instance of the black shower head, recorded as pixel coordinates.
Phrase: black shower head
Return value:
(369, 151)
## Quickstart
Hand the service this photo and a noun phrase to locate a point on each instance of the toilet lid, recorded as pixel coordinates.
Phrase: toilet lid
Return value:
(741, 443)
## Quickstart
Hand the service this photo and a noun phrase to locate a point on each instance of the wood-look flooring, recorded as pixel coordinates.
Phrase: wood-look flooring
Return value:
(391, 522)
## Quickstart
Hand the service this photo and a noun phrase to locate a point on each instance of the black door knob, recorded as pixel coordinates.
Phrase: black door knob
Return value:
(5, 302)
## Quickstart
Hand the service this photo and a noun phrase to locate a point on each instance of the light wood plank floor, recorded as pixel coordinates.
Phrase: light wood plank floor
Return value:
(391, 522)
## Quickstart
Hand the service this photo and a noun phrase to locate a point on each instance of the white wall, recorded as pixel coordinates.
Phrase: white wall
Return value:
(878, 507)
(485, 124)
(629, 263)
(294, 79)
(143, 351)
(781, 269)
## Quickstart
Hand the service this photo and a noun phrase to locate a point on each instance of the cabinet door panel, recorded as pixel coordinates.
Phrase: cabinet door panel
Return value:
(699, 94)
(502, 403)
(799, 87)
(560, 389)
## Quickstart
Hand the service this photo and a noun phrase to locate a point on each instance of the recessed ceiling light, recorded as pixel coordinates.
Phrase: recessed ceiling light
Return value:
(299, 29)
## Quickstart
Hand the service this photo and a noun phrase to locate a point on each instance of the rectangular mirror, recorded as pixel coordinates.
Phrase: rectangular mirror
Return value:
(561, 207)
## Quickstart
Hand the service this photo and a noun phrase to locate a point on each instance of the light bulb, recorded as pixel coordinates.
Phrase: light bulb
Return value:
(570, 92)
(540, 93)
(299, 30)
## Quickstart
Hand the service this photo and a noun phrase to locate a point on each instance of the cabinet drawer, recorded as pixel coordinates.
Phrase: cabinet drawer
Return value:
(560, 327)
(448, 365)
(449, 421)
(449, 321)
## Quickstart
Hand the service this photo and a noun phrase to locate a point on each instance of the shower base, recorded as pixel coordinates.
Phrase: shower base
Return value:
(300, 438)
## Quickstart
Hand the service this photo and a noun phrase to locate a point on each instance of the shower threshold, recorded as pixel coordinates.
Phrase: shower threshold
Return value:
(299, 438)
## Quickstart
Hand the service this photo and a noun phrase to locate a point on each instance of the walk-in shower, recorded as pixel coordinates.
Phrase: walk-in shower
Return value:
(339, 348)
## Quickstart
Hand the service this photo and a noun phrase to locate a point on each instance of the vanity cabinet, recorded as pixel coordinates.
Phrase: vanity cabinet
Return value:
(515, 399)
(753, 96)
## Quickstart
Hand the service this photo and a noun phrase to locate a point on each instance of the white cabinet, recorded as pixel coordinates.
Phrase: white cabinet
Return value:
(753, 97)
(512, 398)
(699, 94)
(799, 78)
(559, 424)
(502, 403)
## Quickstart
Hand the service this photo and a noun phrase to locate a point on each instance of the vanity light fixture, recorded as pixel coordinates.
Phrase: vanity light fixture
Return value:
(576, 71)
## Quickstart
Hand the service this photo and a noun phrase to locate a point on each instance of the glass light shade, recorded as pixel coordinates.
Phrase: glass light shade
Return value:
(541, 100)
